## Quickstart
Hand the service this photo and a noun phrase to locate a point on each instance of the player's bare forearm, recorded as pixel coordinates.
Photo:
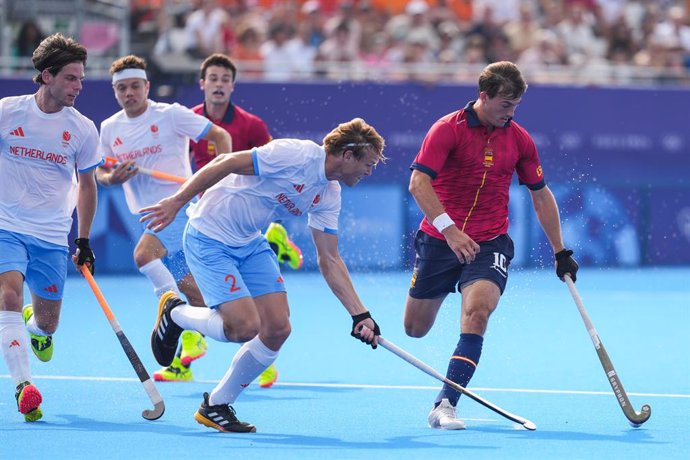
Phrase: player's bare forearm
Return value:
(220, 167)
(546, 209)
(423, 192)
(87, 202)
(335, 272)
(221, 138)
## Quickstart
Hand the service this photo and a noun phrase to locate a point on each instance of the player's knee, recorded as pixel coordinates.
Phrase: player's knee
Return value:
(243, 329)
(414, 329)
(476, 321)
(11, 300)
(140, 259)
(277, 333)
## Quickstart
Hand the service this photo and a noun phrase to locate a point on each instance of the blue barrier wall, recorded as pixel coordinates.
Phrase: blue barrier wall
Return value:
(618, 161)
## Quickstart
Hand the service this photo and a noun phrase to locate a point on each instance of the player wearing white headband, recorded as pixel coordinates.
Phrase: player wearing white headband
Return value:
(156, 135)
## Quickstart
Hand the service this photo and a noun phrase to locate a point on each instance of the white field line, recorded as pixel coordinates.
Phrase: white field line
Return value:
(358, 385)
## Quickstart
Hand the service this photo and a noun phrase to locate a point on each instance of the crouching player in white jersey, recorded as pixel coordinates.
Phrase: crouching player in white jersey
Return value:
(237, 271)
(156, 135)
(43, 140)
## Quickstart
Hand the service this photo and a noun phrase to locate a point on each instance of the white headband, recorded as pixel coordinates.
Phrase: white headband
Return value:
(129, 73)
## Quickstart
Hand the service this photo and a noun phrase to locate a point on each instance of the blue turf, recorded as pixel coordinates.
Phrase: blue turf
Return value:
(337, 399)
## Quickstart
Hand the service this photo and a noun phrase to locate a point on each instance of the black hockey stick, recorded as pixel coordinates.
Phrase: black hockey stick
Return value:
(636, 419)
(388, 345)
(151, 390)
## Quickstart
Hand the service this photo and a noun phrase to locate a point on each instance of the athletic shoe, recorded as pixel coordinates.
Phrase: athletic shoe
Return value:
(268, 377)
(176, 372)
(222, 417)
(194, 346)
(443, 417)
(166, 333)
(28, 401)
(285, 249)
(42, 345)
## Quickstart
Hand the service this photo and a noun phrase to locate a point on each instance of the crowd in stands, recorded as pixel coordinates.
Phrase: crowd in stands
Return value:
(554, 41)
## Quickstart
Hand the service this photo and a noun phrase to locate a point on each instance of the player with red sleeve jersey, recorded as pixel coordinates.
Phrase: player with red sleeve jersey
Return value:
(461, 180)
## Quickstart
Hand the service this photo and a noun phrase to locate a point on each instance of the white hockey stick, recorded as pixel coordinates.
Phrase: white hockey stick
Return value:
(636, 418)
(390, 346)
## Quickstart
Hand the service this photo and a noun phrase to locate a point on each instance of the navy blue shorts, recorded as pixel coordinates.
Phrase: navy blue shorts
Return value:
(437, 270)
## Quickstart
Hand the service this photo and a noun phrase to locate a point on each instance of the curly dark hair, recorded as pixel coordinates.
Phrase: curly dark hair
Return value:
(55, 52)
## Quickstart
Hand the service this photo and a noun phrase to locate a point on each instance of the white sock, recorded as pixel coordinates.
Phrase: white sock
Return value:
(32, 327)
(249, 361)
(160, 277)
(15, 346)
(202, 319)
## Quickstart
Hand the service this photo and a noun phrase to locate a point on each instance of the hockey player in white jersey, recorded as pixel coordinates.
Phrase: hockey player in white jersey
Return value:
(43, 141)
(156, 135)
(237, 271)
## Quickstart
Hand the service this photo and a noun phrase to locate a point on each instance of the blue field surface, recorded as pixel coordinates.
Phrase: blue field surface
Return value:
(337, 399)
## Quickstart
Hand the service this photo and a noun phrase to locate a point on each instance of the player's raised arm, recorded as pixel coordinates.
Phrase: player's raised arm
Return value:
(162, 213)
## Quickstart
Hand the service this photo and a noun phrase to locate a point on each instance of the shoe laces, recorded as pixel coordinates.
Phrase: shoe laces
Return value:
(446, 410)
(41, 341)
(226, 410)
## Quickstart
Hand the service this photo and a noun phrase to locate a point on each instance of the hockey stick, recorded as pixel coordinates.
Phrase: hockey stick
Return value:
(154, 395)
(111, 162)
(388, 345)
(636, 419)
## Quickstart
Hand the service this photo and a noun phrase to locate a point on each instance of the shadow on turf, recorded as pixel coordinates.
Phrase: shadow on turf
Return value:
(76, 423)
(631, 435)
(275, 393)
(282, 441)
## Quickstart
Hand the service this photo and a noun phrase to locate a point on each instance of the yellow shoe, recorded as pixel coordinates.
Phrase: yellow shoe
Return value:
(268, 377)
(285, 249)
(42, 345)
(194, 346)
(176, 372)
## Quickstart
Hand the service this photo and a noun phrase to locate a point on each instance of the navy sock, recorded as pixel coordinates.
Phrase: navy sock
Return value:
(462, 366)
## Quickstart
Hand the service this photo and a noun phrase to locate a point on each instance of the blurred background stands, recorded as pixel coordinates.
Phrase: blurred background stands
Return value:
(574, 42)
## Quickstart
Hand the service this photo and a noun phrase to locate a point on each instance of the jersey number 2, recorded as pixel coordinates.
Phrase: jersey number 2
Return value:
(233, 285)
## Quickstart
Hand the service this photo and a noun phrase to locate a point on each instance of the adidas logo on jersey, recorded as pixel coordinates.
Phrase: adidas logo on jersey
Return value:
(299, 187)
(117, 142)
(52, 288)
(17, 132)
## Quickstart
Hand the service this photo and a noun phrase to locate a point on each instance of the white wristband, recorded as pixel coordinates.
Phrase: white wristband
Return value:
(442, 222)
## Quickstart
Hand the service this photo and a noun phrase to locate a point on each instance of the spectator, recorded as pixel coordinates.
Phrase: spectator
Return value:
(205, 30)
(286, 57)
(247, 51)
(28, 38)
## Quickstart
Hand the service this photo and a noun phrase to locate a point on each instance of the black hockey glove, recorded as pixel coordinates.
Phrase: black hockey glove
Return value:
(356, 319)
(85, 254)
(566, 264)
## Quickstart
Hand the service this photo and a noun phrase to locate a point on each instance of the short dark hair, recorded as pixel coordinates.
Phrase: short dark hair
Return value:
(219, 60)
(503, 78)
(127, 62)
(355, 135)
(55, 52)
